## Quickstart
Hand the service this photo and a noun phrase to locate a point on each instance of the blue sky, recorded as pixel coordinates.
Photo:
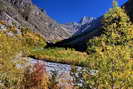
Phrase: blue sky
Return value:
(64, 11)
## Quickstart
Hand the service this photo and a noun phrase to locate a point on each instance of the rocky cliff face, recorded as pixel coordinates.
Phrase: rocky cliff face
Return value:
(23, 12)
(20, 3)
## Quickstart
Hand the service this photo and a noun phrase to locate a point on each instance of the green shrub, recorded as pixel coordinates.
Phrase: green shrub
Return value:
(32, 39)
(113, 66)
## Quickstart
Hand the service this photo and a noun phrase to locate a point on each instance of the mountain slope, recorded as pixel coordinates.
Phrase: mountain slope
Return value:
(23, 12)
(84, 32)
(129, 8)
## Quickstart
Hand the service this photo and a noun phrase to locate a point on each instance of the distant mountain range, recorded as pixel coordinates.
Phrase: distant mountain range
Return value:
(25, 13)
(86, 23)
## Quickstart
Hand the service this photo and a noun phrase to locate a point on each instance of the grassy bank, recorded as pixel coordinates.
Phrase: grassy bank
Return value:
(61, 55)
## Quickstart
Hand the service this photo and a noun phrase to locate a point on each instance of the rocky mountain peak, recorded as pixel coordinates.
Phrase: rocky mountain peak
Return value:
(86, 23)
(86, 19)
